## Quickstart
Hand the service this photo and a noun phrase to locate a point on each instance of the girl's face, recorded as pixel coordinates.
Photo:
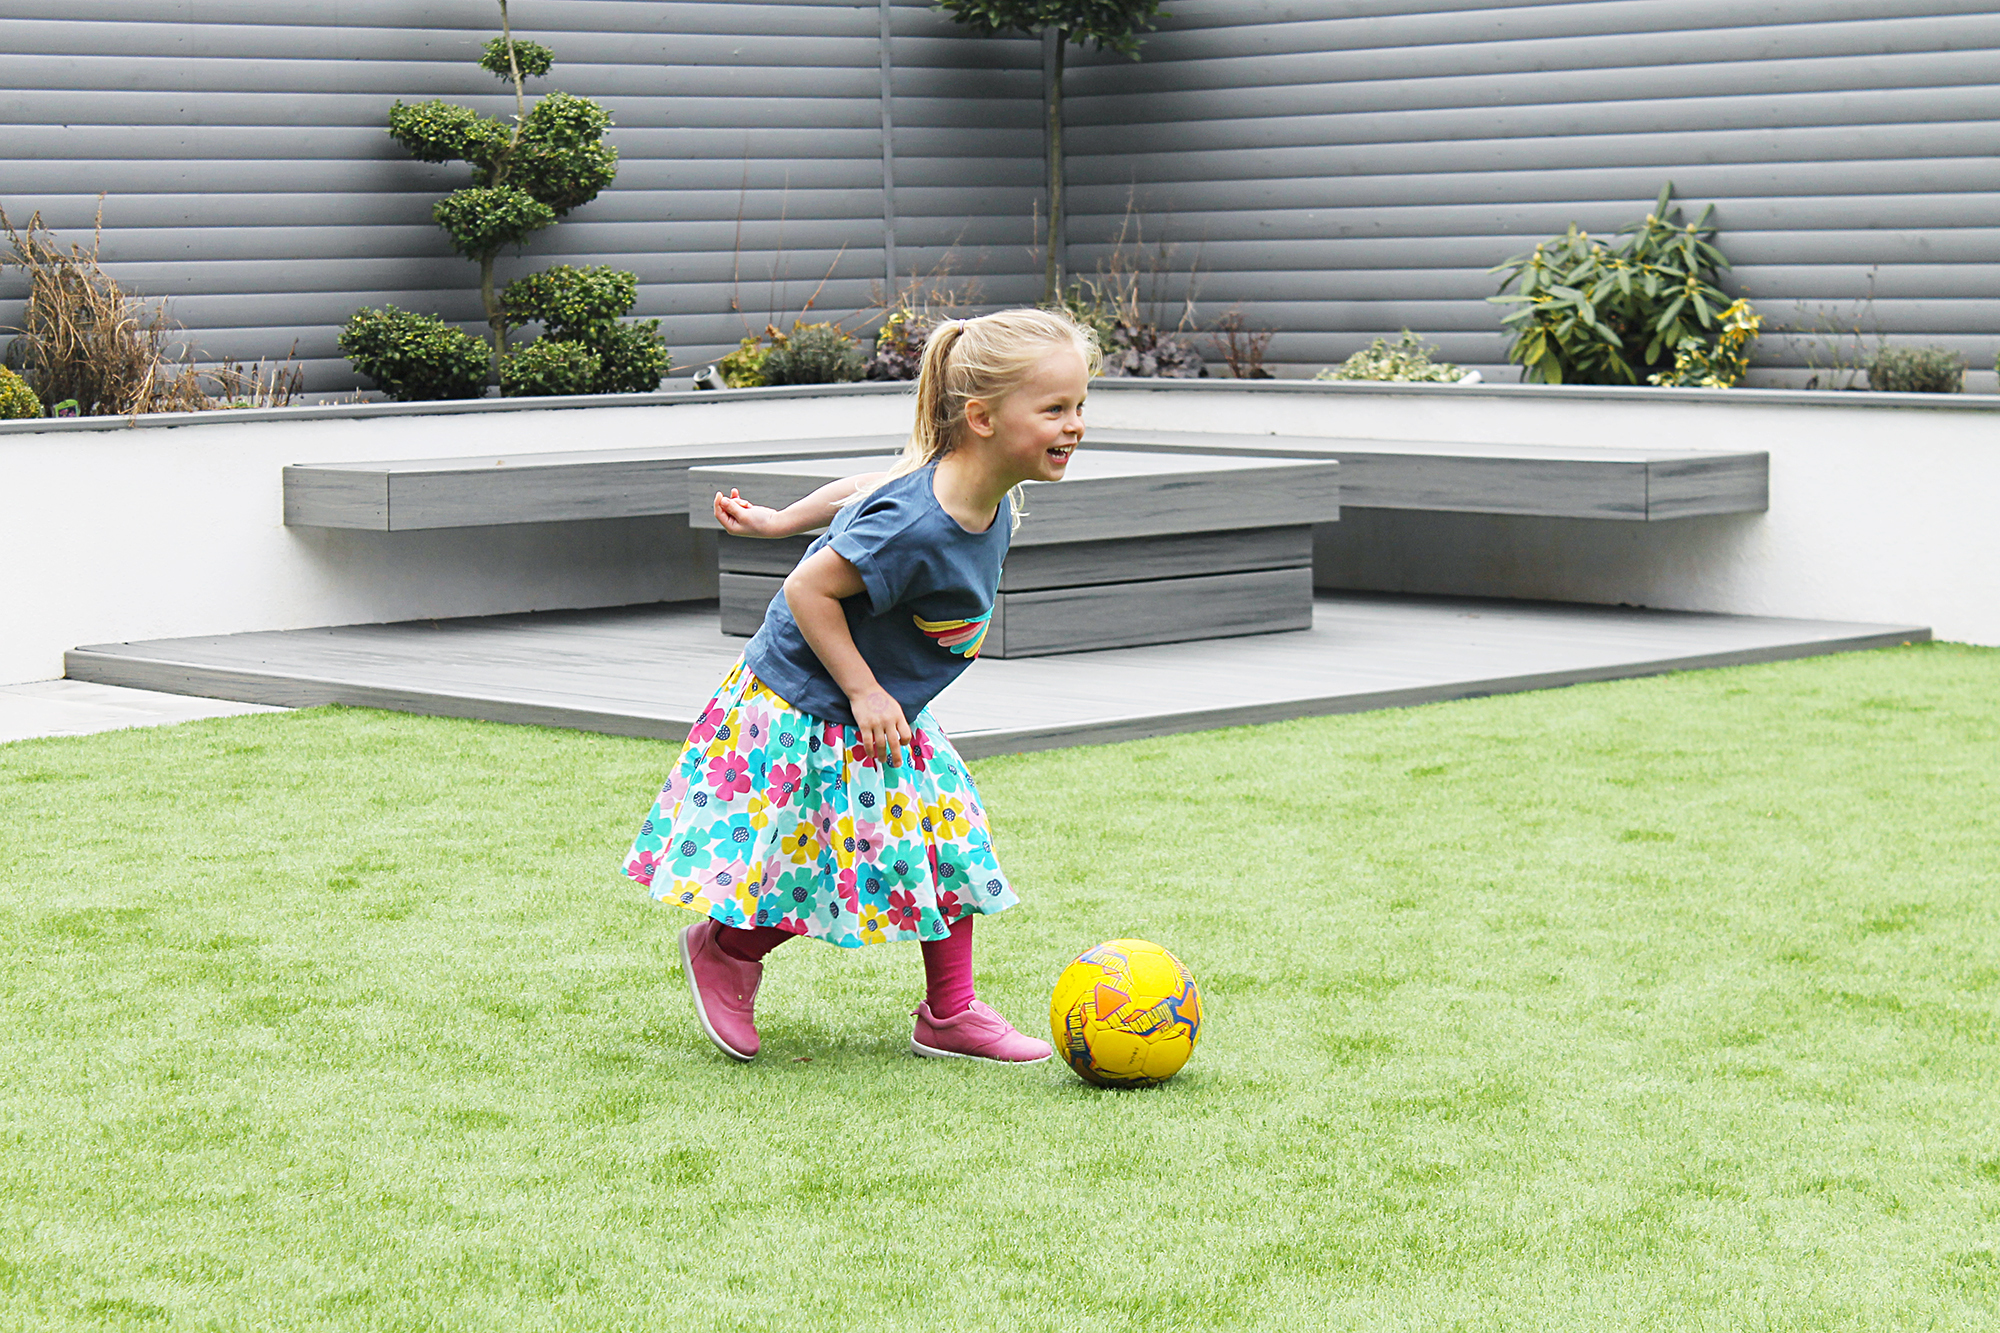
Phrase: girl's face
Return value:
(1032, 431)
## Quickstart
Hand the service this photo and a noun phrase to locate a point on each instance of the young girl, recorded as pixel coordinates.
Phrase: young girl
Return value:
(817, 795)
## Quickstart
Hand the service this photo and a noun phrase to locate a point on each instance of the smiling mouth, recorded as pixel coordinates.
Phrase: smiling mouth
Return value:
(1062, 452)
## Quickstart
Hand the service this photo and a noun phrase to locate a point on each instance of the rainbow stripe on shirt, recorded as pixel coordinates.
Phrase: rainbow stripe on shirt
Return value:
(962, 637)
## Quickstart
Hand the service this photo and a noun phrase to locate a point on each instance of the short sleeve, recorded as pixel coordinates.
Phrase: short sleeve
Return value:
(869, 542)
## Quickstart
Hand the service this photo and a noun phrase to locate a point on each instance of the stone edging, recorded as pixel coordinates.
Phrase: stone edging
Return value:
(1949, 402)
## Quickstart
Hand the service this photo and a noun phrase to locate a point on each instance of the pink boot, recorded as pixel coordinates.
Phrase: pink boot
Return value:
(976, 1034)
(725, 990)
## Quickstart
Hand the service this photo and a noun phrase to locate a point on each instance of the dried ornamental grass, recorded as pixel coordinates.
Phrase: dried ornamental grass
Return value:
(83, 337)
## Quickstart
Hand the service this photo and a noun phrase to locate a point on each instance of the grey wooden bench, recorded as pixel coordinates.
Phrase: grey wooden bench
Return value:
(1132, 548)
(1646, 485)
(525, 488)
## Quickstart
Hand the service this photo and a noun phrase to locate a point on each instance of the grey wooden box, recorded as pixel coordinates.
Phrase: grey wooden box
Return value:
(1132, 549)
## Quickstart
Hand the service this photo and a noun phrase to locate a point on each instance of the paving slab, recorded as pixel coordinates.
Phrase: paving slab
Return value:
(647, 670)
(79, 708)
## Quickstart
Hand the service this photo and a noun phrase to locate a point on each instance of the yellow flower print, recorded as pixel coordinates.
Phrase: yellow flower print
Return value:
(948, 819)
(902, 815)
(842, 839)
(800, 844)
(874, 925)
(759, 812)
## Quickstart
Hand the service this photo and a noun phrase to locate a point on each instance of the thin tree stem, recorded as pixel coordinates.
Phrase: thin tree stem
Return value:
(1052, 274)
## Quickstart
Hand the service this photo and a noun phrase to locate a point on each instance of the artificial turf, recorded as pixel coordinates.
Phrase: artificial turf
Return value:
(1665, 1004)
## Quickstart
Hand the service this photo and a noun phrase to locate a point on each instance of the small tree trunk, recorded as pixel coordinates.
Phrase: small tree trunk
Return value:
(495, 316)
(1052, 274)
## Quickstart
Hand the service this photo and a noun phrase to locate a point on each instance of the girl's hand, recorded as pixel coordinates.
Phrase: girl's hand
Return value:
(740, 518)
(879, 719)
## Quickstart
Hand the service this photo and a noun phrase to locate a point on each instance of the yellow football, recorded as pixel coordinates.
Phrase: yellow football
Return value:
(1125, 1014)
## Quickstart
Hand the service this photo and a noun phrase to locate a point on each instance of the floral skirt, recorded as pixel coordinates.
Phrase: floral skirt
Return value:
(774, 817)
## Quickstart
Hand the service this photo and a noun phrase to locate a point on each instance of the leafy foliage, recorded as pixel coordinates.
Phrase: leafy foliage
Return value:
(1718, 365)
(814, 354)
(1917, 370)
(1109, 25)
(1405, 361)
(1140, 349)
(580, 308)
(437, 131)
(547, 367)
(533, 59)
(17, 400)
(899, 346)
(744, 367)
(527, 174)
(566, 301)
(1587, 311)
(480, 219)
(415, 358)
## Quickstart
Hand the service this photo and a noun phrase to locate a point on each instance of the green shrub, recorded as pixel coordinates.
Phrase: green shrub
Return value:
(1589, 311)
(1406, 361)
(814, 354)
(580, 307)
(1917, 370)
(546, 367)
(899, 346)
(527, 172)
(17, 400)
(1720, 364)
(744, 367)
(415, 358)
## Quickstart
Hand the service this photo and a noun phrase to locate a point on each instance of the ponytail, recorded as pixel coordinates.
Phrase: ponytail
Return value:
(987, 358)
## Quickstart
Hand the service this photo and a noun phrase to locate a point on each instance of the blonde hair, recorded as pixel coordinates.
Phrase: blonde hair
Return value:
(985, 358)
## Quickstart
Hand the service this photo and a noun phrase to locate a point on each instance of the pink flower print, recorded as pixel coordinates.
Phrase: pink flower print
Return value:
(866, 842)
(903, 910)
(643, 867)
(850, 895)
(921, 750)
(793, 925)
(948, 905)
(858, 754)
(785, 782)
(728, 775)
(756, 725)
(707, 724)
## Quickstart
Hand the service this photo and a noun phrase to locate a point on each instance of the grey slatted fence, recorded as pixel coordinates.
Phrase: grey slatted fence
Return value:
(1341, 170)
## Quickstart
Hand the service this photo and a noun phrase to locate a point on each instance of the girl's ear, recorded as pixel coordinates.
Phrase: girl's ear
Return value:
(979, 417)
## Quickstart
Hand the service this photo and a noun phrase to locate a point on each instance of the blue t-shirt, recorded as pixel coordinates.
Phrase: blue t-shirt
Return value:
(928, 594)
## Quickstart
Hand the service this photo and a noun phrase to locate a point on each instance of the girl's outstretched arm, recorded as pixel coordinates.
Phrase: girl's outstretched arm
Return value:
(743, 519)
(813, 591)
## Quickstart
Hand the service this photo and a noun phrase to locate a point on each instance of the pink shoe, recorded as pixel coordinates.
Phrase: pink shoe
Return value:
(977, 1034)
(725, 990)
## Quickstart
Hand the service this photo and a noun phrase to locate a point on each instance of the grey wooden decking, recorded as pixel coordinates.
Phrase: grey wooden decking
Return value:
(646, 671)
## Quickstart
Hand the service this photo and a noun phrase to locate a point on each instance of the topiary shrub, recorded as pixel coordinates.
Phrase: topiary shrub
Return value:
(814, 354)
(17, 400)
(547, 367)
(1917, 370)
(415, 358)
(1406, 361)
(581, 307)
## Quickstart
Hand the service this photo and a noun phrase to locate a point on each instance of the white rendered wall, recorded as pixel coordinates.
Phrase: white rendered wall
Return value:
(1878, 513)
(114, 535)
(1884, 507)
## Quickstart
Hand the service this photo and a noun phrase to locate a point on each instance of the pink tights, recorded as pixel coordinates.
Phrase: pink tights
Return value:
(947, 962)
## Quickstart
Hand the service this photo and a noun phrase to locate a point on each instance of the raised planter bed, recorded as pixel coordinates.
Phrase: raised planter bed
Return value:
(115, 530)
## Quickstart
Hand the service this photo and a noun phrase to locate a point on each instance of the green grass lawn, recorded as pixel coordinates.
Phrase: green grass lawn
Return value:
(1665, 1004)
